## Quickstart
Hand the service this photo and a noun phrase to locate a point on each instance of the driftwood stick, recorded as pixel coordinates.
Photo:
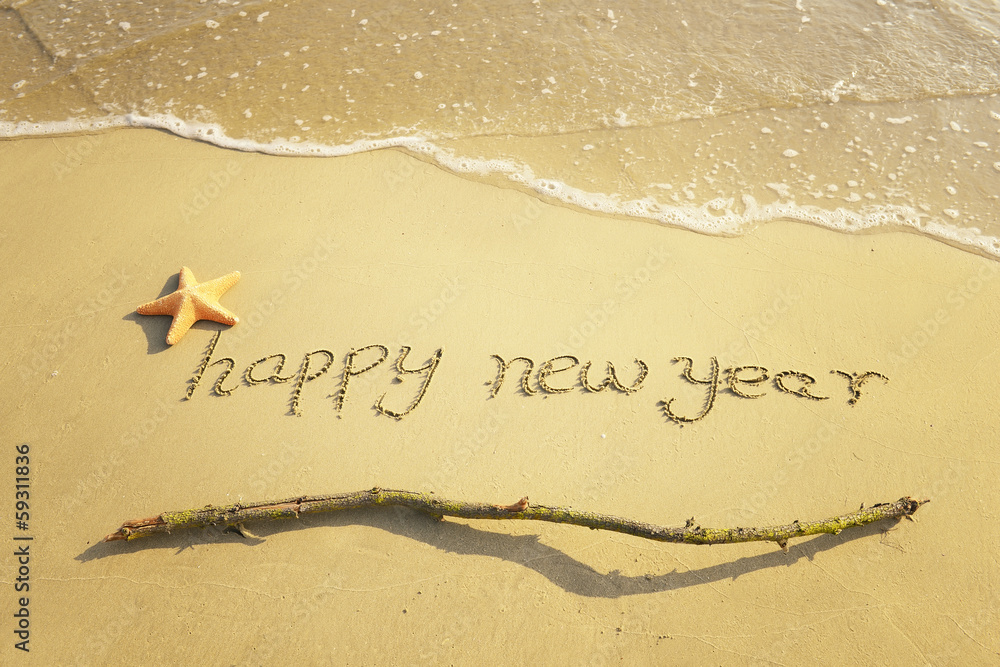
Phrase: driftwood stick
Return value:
(235, 515)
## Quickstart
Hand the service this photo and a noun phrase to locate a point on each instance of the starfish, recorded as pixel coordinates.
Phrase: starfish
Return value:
(192, 302)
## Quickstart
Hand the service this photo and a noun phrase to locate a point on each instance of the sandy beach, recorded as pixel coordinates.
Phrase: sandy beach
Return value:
(96, 225)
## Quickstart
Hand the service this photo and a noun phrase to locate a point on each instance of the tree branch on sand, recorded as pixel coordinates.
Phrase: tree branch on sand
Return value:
(234, 515)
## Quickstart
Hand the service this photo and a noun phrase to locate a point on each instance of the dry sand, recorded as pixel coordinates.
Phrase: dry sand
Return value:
(381, 248)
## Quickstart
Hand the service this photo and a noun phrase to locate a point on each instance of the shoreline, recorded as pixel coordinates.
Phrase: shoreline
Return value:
(721, 216)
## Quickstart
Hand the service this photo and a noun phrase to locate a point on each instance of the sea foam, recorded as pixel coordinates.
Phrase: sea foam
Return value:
(722, 216)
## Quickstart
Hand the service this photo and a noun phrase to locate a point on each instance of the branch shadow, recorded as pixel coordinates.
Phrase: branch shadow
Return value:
(566, 572)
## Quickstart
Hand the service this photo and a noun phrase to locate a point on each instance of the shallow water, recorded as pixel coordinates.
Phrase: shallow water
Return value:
(714, 116)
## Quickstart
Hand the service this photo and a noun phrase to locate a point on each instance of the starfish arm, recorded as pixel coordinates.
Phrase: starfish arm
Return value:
(216, 288)
(208, 310)
(163, 306)
(183, 320)
(185, 278)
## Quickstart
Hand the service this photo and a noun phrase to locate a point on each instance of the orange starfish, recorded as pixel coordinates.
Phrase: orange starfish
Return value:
(192, 302)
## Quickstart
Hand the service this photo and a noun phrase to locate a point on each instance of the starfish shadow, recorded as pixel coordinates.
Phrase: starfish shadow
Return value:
(566, 572)
(156, 326)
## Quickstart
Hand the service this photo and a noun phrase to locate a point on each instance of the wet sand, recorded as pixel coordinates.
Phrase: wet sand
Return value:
(383, 249)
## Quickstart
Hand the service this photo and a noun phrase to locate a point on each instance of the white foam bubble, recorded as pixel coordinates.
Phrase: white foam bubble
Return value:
(781, 188)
